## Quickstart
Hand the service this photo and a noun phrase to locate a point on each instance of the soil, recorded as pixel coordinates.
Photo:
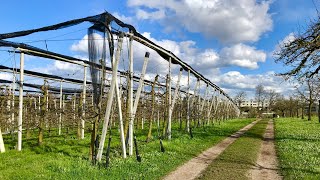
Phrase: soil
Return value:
(193, 168)
(266, 165)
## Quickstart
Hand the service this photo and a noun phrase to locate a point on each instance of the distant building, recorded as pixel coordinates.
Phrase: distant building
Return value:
(253, 103)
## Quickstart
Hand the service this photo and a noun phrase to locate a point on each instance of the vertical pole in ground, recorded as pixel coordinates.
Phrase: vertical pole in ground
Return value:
(8, 110)
(20, 102)
(188, 103)
(110, 97)
(169, 101)
(2, 149)
(136, 101)
(130, 98)
(47, 106)
(319, 110)
(83, 101)
(60, 113)
(12, 102)
(173, 102)
(122, 138)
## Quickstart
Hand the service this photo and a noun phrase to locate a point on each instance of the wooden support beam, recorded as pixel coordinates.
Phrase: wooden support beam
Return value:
(19, 147)
(110, 97)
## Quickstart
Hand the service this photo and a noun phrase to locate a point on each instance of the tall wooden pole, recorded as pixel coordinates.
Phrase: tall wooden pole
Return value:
(173, 102)
(60, 112)
(169, 101)
(188, 103)
(110, 97)
(136, 101)
(2, 149)
(20, 102)
(84, 89)
(12, 102)
(130, 97)
(319, 110)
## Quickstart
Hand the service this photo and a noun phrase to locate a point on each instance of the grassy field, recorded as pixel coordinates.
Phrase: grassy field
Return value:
(298, 148)
(64, 157)
(239, 157)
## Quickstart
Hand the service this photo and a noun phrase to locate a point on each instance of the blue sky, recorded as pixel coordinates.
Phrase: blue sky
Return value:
(231, 42)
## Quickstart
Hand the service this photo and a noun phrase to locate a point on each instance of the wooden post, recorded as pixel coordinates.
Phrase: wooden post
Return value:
(188, 103)
(8, 110)
(60, 110)
(130, 98)
(84, 88)
(20, 102)
(203, 102)
(122, 138)
(136, 101)
(12, 102)
(152, 108)
(2, 149)
(319, 110)
(173, 101)
(110, 97)
(169, 101)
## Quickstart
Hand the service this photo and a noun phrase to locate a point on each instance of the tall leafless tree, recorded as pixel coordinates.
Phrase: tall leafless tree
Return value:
(260, 95)
(240, 97)
(271, 96)
(310, 91)
(302, 53)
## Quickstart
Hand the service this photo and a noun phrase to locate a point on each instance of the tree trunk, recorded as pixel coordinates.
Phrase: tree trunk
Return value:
(309, 111)
(43, 112)
(152, 108)
(319, 110)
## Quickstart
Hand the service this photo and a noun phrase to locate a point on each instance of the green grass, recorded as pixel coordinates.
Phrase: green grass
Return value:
(64, 157)
(298, 148)
(239, 157)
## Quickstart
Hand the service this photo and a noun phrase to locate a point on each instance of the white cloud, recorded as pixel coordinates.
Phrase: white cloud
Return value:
(230, 21)
(5, 76)
(125, 19)
(234, 81)
(286, 40)
(243, 56)
(206, 61)
(141, 14)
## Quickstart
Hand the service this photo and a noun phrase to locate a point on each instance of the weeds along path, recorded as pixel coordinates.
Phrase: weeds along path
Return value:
(266, 165)
(195, 166)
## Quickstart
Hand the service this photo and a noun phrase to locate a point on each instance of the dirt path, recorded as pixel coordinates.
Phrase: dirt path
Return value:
(195, 166)
(266, 165)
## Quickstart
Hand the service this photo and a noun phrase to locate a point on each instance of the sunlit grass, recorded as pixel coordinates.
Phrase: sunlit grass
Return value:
(65, 157)
(298, 148)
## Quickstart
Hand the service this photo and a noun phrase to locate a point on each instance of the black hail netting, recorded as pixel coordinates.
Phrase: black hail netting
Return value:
(97, 55)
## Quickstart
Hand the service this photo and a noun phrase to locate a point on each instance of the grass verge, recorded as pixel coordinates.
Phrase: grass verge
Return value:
(298, 148)
(239, 157)
(64, 157)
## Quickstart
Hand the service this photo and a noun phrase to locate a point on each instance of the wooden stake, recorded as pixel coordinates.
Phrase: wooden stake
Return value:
(20, 102)
(110, 98)
(2, 149)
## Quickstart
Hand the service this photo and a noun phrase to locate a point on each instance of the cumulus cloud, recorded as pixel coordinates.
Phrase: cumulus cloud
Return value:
(5, 76)
(243, 56)
(286, 40)
(230, 21)
(234, 81)
(204, 60)
(207, 61)
(125, 19)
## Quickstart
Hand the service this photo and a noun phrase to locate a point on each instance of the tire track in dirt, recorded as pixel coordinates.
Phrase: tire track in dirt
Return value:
(194, 167)
(266, 165)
